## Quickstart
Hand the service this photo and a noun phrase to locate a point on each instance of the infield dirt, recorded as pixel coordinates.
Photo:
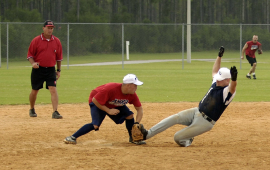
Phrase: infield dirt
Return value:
(239, 140)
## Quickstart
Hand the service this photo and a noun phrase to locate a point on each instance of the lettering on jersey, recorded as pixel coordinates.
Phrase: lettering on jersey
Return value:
(206, 94)
(118, 102)
(254, 47)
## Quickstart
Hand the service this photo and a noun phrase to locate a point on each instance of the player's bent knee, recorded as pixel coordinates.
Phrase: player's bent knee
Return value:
(96, 127)
(129, 117)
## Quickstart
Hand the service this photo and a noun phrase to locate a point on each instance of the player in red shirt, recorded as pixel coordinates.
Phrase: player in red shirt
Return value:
(250, 48)
(45, 51)
(110, 99)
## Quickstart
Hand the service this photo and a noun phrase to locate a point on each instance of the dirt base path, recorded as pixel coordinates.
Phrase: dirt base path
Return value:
(239, 140)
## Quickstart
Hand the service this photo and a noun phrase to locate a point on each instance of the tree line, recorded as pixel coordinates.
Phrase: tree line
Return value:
(152, 26)
(136, 11)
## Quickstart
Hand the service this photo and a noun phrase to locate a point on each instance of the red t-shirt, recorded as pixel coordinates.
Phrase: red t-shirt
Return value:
(44, 51)
(110, 95)
(252, 48)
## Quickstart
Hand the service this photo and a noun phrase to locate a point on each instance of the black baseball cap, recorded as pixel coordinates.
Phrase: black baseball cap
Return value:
(48, 23)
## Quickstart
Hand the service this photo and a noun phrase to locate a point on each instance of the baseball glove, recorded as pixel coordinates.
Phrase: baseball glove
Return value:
(136, 132)
(259, 51)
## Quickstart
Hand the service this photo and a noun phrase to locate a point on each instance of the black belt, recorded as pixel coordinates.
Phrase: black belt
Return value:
(208, 118)
(46, 67)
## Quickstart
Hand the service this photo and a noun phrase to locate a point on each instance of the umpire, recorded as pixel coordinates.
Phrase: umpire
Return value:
(44, 52)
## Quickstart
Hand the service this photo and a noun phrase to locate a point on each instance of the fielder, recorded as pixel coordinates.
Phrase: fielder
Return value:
(202, 118)
(250, 48)
(110, 99)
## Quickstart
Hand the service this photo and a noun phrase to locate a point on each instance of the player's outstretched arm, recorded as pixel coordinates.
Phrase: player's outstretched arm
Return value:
(139, 114)
(216, 65)
(232, 86)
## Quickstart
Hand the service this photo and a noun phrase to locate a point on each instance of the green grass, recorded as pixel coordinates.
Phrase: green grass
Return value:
(163, 82)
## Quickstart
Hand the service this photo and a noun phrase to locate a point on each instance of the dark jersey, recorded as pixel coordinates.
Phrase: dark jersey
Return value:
(215, 101)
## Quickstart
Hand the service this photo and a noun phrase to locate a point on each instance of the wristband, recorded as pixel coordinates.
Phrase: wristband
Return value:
(59, 70)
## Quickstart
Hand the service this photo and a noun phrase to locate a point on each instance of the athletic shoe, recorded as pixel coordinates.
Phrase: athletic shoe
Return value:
(32, 113)
(254, 76)
(70, 140)
(137, 143)
(186, 143)
(56, 115)
(249, 77)
(144, 132)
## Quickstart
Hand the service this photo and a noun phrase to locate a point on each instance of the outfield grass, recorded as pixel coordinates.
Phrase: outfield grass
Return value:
(163, 82)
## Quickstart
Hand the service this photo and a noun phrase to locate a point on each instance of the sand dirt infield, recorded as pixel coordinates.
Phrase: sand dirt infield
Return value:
(239, 140)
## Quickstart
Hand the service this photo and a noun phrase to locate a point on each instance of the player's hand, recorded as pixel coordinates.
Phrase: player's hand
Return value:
(242, 57)
(221, 51)
(35, 65)
(234, 73)
(113, 112)
(57, 75)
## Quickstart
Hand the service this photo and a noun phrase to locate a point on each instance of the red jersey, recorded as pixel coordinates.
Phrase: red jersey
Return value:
(110, 95)
(252, 48)
(45, 52)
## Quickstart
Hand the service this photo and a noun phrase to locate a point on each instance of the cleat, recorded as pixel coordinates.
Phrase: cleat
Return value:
(32, 113)
(249, 77)
(254, 76)
(56, 115)
(137, 143)
(186, 143)
(70, 140)
(144, 132)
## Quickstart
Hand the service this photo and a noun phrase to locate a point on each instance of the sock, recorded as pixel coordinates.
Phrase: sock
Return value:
(253, 73)
(248, 74)
(83, 130)
(129, 124)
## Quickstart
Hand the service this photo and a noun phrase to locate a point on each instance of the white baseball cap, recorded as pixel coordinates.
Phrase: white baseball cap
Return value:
(131, 78)
(223, 73)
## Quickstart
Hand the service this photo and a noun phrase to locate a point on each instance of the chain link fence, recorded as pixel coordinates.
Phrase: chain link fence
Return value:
(104, 42)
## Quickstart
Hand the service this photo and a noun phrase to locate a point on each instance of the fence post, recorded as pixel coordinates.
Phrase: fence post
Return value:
(183, 45)
(0, 44)
(68, 46)
(188, 31)
(127, 49)
(7, 45)
(241, 46)
(122, 45)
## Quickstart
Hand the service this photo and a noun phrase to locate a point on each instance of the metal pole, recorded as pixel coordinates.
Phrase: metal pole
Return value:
(7, 45)
(241, 46)
(0, 45)
(122, 45)
(188, 31)
(183, 45)
(68, 46)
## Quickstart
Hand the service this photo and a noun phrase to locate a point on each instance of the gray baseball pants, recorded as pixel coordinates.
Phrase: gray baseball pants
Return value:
(192, 118)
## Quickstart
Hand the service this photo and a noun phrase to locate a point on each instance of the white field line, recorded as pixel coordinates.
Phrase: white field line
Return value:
(140, 62)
